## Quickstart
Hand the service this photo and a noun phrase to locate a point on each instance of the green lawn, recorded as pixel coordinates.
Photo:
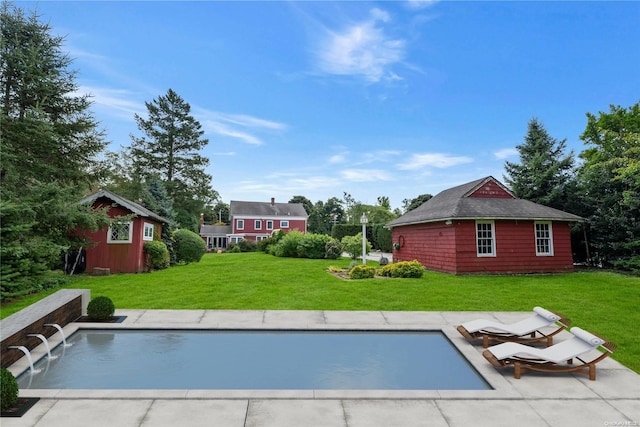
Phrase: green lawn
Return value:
(601, 302)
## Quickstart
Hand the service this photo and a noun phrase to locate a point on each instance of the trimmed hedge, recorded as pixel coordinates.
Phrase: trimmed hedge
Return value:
(362, 272)
(188, 246)
(100, 309)
(8, 389)
(406, 269)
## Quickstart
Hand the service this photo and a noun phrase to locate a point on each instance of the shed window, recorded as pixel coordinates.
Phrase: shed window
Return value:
(544, 238)
(148, 231)
(120, 232)
(485, 238)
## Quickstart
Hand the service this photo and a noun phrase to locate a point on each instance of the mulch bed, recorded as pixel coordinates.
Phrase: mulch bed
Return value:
(22, 406)
(114, 319)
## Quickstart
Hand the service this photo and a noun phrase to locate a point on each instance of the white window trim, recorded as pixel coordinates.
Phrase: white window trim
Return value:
(240, 224)
(257, 224)
(535, 235)
(130, 238)
(284, 224)
(147, 226)
(493, 238)
(269, 225)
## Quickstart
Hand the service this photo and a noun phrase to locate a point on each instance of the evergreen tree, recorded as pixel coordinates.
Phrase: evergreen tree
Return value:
(49, 149)
(544, 170)
(170, 149)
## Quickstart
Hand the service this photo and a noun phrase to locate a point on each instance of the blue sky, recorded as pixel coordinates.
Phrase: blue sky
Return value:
(393, 98)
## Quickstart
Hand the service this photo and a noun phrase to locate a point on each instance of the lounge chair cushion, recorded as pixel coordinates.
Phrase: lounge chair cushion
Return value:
(551, 317)
(523, 327)
(587, 337)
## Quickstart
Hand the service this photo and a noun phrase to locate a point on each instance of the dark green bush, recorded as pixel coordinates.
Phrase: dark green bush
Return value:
(247, 245)
(188, 246)
(100, 308)
(333, 249)
(404, 269)
(157, 255)
(8, 389)
(362, 272)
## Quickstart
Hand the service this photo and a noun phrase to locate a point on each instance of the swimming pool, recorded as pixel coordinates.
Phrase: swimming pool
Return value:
(260, 360)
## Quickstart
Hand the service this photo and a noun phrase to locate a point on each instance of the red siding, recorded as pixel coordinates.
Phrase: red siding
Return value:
(118, 257)
(249, 226)
(453, 248)
(491, 190)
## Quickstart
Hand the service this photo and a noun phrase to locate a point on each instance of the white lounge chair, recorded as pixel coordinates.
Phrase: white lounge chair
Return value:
(524, 331)
(557, 358)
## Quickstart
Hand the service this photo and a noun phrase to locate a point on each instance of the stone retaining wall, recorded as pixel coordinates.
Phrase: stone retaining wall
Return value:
(65, 306)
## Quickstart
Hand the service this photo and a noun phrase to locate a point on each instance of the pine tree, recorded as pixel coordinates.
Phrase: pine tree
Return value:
(47, 131)
(170, 149)
(49, 153)
(544, 170)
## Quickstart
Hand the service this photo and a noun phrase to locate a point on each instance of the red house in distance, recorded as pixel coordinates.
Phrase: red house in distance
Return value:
(119, 247)
(481, 227)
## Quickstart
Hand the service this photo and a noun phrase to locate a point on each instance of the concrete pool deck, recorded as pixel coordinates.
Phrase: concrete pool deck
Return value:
(534, 400)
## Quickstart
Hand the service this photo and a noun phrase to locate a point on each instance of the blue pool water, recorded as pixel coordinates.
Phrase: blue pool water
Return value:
(286, 360)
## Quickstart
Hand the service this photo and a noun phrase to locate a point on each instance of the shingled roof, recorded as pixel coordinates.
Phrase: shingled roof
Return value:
(266, 209)
(455, 203)
(132, 206)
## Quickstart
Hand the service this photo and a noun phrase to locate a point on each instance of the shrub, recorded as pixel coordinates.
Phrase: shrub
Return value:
(264, 245)
(157, 255)
(313, 246)
(404, 269)
(333, 249)
(8, 389)
(188, 246)
(233, 248)
(362, 272)
(247, 245)
(288, 245)
(353, 245)
(100, 309)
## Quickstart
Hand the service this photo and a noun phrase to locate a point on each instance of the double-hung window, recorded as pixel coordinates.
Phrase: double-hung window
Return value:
(485, 238)
(258, 224)
(148, 231)
(544, 238)
(284, 224)
(120, 232)
(240, 224)
(269, 225)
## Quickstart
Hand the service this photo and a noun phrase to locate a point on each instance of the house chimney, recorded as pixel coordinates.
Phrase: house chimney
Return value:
(273, 201)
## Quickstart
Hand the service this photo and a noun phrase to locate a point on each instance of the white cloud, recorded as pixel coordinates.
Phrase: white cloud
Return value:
(505, 153)
(434, 160)
(365, 175)
(117, 102)
(337, 158)
(362, 50)
(238, 126)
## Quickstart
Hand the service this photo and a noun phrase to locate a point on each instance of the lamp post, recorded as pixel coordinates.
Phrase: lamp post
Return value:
(363, 221)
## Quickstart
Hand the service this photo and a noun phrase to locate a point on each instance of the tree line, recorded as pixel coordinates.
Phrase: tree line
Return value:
(53, 152)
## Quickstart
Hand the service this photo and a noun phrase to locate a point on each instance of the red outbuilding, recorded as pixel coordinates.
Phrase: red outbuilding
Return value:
(119, 247)
(481, 227)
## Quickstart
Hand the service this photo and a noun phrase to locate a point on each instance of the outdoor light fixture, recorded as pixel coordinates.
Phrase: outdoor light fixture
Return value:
(363, 221)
